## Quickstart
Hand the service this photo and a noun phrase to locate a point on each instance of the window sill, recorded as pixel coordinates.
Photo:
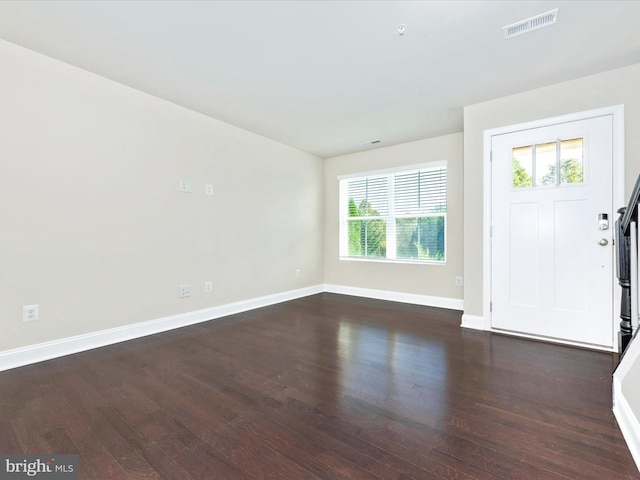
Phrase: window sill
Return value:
(396, 261)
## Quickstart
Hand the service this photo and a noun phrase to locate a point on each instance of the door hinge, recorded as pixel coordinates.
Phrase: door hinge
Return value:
(491, 230)
(491, 156)
(490, 306)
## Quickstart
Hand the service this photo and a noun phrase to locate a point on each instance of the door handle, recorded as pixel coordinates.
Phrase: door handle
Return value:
(603, 242)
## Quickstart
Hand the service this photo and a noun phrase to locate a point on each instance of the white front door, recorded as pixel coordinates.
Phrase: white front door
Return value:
(552, 266)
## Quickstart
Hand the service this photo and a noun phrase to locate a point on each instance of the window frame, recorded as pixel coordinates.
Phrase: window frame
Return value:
(390, 217)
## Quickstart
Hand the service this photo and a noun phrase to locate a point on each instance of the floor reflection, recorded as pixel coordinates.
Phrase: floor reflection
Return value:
(400, 371)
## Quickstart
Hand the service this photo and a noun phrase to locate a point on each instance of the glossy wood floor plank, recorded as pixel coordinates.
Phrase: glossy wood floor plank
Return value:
(327, 387)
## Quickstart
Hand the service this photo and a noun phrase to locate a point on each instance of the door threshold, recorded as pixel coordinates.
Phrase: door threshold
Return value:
(558, 341)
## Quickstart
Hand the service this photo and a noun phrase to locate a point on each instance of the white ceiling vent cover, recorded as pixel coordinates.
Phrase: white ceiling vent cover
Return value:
(530, 24)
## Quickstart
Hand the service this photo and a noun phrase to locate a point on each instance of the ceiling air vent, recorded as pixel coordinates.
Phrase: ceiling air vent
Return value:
(530, 24)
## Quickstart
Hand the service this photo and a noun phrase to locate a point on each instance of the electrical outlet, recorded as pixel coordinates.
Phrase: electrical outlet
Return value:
(30, 313)
(458, 281)
(208, 189)
(298, 273)
(185, 186)
(184, 291)
(208, 287)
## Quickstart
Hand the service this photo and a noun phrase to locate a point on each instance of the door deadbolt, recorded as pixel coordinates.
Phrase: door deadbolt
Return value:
(603, 221)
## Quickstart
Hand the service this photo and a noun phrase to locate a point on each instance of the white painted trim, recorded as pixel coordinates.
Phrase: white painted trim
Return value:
(614, 110)
(628, 424)
(19, 357)
(486, 230)
(617, 113)
(387, 171)
(631, 356)
(66, 346)
(473, 322)
(430, 301)
(627, 420)
(619, 200)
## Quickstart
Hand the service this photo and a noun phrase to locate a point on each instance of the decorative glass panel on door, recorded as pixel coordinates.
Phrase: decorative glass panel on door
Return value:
(571, 161)
(522, 167)
(546, 159)
(548, 164)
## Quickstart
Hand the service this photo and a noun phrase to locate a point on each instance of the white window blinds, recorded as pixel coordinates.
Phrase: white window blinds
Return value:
(370, 195)
(421, 193)
(399, 215)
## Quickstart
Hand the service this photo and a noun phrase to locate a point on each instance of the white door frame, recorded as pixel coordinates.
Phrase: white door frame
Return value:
(617, 113)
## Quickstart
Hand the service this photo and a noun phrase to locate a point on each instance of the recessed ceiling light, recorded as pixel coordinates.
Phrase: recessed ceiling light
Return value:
(530, 24)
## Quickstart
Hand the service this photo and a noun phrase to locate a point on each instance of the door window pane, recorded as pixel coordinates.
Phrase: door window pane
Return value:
(546, 164)
(571, 161)
(522, 167)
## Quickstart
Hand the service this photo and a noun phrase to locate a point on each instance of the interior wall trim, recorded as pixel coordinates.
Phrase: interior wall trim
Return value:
(627, 419)
(27, 355)
(19, 357)
(417, 299)
(474, 322)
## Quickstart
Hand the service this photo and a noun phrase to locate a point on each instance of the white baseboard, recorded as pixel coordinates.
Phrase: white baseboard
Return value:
(427, 300)
(19, 357)
(66, 346)
(627, 419)
(473, 322)
(628, 423)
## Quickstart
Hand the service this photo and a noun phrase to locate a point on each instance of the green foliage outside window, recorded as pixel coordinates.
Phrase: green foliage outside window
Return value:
(367, 238)
(571, 171)
(399, 216)
(420, 238)
(521, 178)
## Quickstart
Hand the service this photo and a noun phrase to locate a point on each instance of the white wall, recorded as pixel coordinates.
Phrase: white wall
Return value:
(94, 229)
(430, 280)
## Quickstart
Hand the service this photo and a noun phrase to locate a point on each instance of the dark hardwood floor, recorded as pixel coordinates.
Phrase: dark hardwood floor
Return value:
(326, 387)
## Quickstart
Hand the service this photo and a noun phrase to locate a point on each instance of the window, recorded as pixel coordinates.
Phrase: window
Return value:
(395, 215)
(548, 164)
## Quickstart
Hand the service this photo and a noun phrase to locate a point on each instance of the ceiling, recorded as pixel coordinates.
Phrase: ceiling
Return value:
(328, 77)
